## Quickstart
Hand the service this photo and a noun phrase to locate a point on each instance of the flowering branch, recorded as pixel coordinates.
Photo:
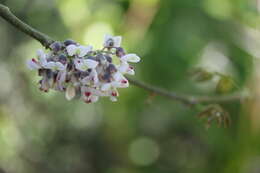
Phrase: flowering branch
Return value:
(46, 41)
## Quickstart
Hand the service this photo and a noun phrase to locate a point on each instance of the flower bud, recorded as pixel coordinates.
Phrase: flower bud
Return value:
(69, 42)
(107, 77)
(40, 72)
(84, 74)
(100, 58)
(62, 58)
(111, 68)
(49, 73)
(56, 46)
(108, 58)
(120, 52)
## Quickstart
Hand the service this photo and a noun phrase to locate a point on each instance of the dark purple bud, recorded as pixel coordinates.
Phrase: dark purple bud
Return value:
(100, 58)
(49, 73)
(84, 74)
(69, 66)
(54, 76)
(111, 68)
(108, 58)
(69, 42)
(56, 46)
(107, 77)
(63, 59)
(40, 72)
(120, 52)
(110, 43)
(77, 74)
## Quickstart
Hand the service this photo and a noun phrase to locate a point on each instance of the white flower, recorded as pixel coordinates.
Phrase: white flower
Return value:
(42, 57)
(61, 77)
(113, 95)
(130, 58)
(46, 82)
(33, 64)
(90, 95)
(85, 64)
(120, 81)
(110, 90)
(91, 79)
(78, 50)
(124, 67)
(110, 41)
(55, 66)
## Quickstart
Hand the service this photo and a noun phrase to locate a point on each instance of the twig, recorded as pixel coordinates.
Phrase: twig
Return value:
(186, 99)
(46, 41)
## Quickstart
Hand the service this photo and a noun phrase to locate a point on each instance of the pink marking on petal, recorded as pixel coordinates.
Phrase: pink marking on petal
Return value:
(114, 94)
(34, 60)
(87, 94)
(124, 81)
(131, 67)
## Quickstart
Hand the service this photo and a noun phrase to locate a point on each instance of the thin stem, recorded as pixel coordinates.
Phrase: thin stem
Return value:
(187, 99)
(46, 41)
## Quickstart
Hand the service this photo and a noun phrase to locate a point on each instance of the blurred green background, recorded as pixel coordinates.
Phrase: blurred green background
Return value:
(141, 133)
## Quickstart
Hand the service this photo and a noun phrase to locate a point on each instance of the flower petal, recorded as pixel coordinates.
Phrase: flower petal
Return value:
(90, 63)
(94, 76)
(84, 50)
(71, 49)
(32, 65)
(40, 53)
(130, 58)
(50, 65)
(70, 92)
(117, 41)
(106, 87)
(118, 76)
(107, 37)
(82, 67)
(42, 57)
(123, 67)
(60, 66)
(130, 71)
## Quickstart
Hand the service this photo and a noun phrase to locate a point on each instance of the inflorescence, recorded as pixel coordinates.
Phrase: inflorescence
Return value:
(81, 71)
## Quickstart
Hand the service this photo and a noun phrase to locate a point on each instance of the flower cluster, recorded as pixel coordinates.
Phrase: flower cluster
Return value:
(81, 71)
